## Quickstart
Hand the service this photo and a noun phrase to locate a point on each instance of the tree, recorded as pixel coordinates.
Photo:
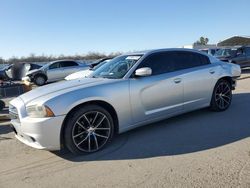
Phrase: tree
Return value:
(44, 58)
(1, 60)
(202, 41)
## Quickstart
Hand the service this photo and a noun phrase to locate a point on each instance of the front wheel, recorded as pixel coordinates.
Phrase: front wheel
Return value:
(88, 129)
(222, 96)
(39, 80)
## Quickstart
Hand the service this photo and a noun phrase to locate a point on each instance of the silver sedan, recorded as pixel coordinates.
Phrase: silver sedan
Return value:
(129, 91)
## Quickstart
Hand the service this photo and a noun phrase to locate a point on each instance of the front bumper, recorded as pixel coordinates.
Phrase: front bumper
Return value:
(26, 79)
(40, 133)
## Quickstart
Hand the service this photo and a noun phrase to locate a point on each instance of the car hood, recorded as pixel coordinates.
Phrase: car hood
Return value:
(61, 87)
(79, 74)
(32, 71)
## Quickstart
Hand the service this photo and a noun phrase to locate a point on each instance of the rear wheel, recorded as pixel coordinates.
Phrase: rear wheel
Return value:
(40, 80)
(222, 96)
(88, 129)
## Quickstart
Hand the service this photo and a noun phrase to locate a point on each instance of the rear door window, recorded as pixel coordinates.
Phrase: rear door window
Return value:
(187, 60)
(68, 64)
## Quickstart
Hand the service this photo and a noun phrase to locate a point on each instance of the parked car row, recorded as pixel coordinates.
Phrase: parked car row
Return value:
(128, 91)
(236, 55)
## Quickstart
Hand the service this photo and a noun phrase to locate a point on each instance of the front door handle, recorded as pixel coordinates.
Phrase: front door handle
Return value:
(177, 80)
(212, 71)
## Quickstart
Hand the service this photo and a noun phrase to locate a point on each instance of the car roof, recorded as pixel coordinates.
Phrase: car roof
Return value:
(62, 61)
(147, 52)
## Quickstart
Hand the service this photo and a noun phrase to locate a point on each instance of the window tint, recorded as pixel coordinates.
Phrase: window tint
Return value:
(54, 66)
(187, 60)
(159, 62)
(68, 64)
(248, 51)
(165, 62)
(204, 60)
(213, 51)
(240, 51)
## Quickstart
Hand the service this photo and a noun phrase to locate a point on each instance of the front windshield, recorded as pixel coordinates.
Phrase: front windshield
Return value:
(116, 68)
(224, 52)
(100, 64)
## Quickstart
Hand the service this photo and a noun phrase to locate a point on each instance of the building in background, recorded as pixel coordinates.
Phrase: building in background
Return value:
(235, 41)
(229, 42)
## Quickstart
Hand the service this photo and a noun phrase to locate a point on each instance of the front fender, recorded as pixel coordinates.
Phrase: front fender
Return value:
(116, 94)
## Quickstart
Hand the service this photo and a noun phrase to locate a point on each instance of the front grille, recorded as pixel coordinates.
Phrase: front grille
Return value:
(13, 113)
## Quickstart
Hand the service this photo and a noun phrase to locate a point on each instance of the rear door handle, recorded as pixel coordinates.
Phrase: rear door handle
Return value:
(211, 71)
(177, 80)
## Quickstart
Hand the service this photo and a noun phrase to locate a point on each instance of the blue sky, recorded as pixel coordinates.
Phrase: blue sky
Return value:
(55, 27)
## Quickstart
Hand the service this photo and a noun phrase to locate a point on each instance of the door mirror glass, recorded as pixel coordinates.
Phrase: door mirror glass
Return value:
(145, 71)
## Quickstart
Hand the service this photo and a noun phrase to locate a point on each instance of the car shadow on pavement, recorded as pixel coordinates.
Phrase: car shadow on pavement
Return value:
(192, 132)
(4, 127)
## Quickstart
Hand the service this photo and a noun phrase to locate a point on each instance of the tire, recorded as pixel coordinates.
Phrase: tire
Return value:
(222, 96)
(40, 80)
(2, 105)
(88, 129)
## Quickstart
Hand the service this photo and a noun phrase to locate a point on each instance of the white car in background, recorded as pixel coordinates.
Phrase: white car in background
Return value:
(54, 71)
(86, 73)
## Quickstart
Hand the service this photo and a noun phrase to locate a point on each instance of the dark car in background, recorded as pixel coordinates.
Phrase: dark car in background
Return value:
(210, 51)
(238, 55)
(225, 53)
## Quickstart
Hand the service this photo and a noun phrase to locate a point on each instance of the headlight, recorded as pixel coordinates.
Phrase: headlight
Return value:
(39, 111)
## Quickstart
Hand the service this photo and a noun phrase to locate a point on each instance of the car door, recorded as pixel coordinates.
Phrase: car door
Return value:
(240, 58)
(54, 71)
(247, 51)
(157, 95)
(69, 67)
(199, 78)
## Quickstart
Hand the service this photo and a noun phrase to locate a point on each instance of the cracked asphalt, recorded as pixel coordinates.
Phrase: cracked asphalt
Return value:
(197, 149)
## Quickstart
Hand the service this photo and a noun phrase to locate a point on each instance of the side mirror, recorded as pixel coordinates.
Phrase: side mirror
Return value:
(145, 71)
